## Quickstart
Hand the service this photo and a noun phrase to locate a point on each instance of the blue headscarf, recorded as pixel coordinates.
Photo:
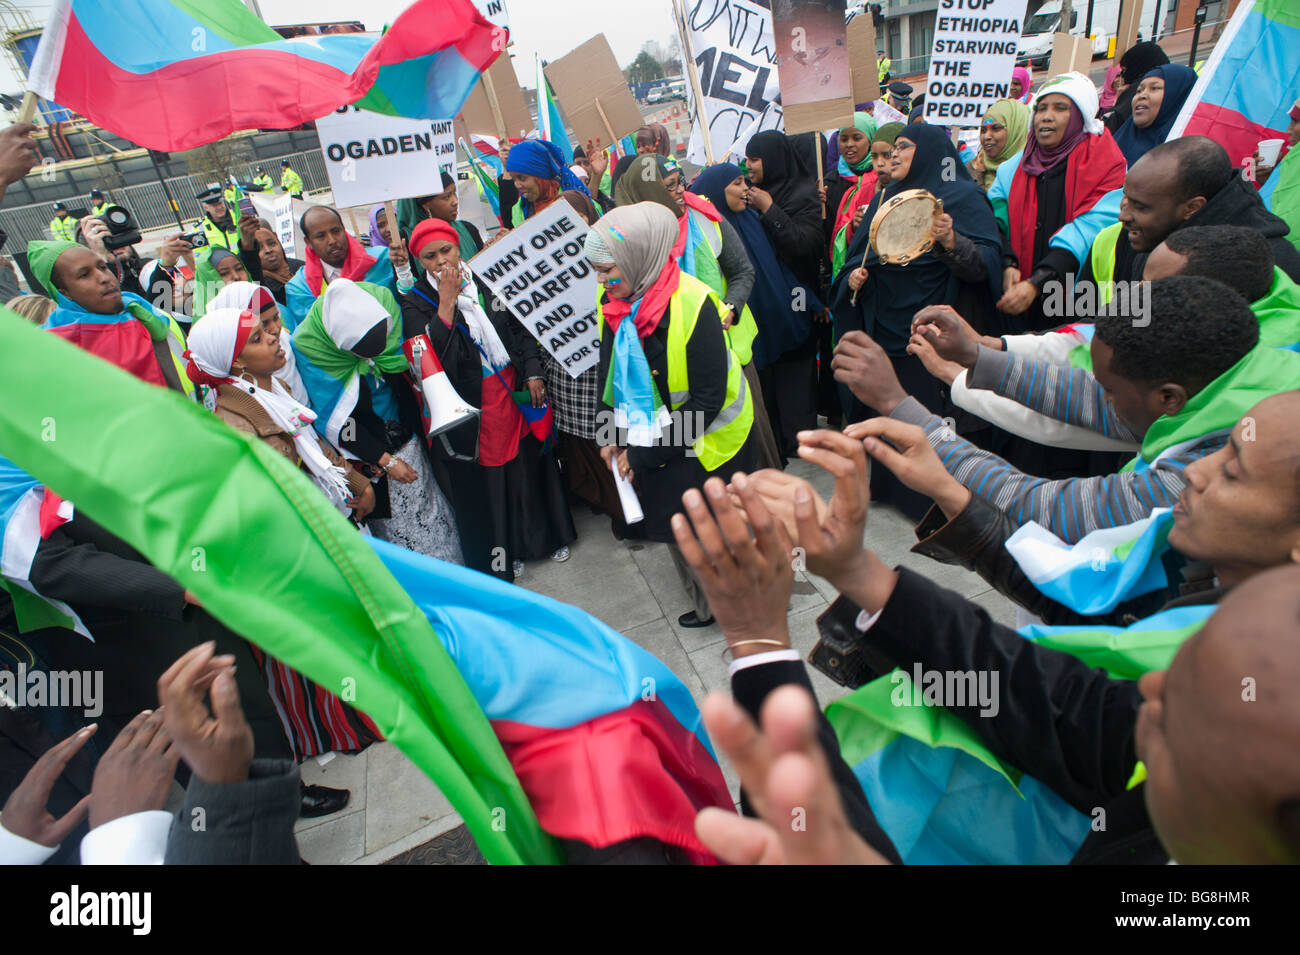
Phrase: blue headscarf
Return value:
(543, 159)
(1134, 142)
(780, 328)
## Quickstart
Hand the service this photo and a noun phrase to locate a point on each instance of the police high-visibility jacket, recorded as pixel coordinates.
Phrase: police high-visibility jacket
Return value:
(725, 435)
(291, 182)
(263, 182)
(99, 209)
(222, 238)
(1102, 256)
(64, 228)
(232, 195)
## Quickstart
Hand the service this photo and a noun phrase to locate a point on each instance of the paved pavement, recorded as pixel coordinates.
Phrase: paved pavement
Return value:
(633, 587)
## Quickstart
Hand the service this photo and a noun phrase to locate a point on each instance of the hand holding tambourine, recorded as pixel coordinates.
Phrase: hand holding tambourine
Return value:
(903, 228)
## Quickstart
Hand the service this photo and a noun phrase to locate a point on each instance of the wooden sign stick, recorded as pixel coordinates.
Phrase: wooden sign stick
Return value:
(821, 183)
(495, 104)
(605, 119)
(701, 111)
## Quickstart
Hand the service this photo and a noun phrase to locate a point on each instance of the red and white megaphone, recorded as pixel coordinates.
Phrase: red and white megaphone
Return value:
(444, 408)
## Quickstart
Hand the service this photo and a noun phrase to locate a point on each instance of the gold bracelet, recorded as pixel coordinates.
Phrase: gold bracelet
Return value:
(767, 643)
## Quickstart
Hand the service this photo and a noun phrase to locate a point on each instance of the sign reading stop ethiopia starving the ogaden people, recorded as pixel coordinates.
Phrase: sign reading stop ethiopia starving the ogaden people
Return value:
(974, 53)
(540, 273)
(373, 158)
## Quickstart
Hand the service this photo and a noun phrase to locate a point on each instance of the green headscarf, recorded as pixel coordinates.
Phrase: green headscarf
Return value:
(865, 123)
(1015, 116)
(643, 182)
(41, 256)
(314, 341)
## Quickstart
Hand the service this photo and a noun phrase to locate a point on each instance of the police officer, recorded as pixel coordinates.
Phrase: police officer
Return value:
(63, 226)
(218, 219)
(262, 182)
(290, 181)
(97, 203)
(900, 96)
(233, 194)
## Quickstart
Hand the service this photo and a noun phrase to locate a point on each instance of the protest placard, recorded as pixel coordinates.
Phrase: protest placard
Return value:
(541, 274)
(284, 224)
(495, 12)
(736, 56)
(864, 74)
(1070, 54)
(593, 93)
(813, 63)
(974, 53)
(370, 157)
(478, 113)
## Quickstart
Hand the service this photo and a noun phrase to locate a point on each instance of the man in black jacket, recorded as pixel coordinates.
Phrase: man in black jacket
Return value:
(1187, 182)
(1221, 782)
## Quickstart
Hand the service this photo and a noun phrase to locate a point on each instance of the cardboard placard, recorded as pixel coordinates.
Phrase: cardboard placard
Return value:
(541, 274)
(373, 158)
(477, 112)
(813, 65)
(864, 74)
(974, 53)
(1130, 17)
(1070, 54)
(589, 76)
(494, 12)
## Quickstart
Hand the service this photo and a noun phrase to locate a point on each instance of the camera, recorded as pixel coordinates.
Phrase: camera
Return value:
(122, 230)
(196, 239)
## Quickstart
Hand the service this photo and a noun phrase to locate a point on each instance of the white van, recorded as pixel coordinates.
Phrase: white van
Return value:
(1036, 38)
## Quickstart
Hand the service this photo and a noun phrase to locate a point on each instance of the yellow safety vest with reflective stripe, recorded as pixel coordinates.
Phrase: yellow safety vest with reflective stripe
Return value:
(225, 239)
(263, 182)
(64, 228)
(99, 209)
(1102, 259)
(290, 181)
(232, 195)
(725, 434)
(744, 328)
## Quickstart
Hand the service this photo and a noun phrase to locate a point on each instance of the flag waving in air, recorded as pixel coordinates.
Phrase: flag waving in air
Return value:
(1249, 82)
(123, 64)
(537, 721)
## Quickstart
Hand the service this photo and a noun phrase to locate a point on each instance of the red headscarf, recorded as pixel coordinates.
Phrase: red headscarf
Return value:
(430, 229)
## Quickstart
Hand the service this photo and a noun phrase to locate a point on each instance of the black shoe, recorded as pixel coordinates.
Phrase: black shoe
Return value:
(691, 619)
(321, 800)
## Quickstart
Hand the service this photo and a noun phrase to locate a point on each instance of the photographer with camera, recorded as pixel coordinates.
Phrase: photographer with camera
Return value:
(161, 281)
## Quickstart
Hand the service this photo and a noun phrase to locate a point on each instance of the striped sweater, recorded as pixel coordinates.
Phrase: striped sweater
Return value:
(1071, 507)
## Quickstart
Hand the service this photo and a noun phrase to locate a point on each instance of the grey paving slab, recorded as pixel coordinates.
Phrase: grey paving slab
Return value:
(338, 840)
(400, 798)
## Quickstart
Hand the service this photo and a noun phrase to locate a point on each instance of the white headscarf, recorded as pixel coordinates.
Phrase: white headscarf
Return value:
(240, 295)
(1082, 93)
(349, 312)
(212, 345)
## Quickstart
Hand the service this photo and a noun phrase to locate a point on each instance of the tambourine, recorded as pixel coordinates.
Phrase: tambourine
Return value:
(901, 229)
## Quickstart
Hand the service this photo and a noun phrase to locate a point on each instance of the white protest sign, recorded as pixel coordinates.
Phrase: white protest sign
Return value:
(373, 158)
(736, 58)
(283, 208)
(494, 12)
(541, 274)
(974, 53)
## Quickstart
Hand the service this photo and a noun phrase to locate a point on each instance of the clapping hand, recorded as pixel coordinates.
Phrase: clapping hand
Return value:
(906, 451)
(135, 774)
(785, 776)
(863, 365)
(218, 747)
(25, 813)
(952, 337)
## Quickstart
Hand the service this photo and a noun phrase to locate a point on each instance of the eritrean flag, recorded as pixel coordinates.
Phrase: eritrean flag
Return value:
(487, 181)
(549, 122)
(124, 64)
(942, 796)
(533, 718)
(1249, 82)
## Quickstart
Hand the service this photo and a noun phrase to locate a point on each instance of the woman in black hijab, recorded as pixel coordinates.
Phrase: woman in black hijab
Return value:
(1139, 60)
(783, 191)
(963, 269)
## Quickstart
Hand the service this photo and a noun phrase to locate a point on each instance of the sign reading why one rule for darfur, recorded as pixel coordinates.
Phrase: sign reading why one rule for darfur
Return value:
(541, 274)
(373, 158)
(974, 53)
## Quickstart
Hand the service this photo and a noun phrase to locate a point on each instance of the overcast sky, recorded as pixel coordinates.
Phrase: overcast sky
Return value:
(537, 26)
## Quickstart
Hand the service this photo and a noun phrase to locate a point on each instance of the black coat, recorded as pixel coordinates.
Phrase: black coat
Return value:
(664, 472)
(460, 357)
(1061, 721)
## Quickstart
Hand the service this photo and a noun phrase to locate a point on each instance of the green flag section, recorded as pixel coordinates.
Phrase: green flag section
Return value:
(232, 520)
(927, 773)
